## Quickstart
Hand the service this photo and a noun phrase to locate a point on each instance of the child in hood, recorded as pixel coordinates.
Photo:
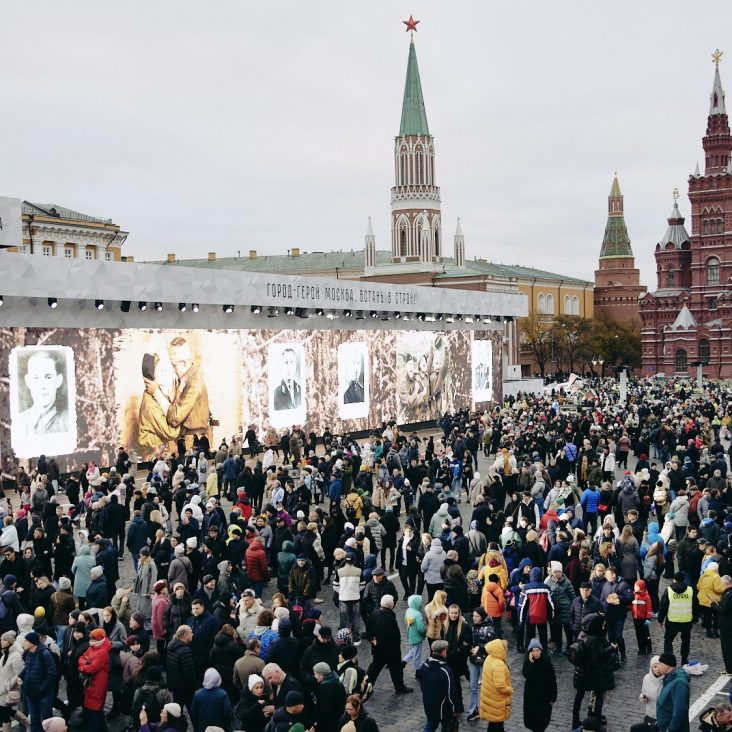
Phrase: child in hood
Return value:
(416, 631)
(642, 611)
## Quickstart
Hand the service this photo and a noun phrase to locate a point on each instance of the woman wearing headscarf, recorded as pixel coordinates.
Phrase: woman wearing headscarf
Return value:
(459, 639)
(540, 687)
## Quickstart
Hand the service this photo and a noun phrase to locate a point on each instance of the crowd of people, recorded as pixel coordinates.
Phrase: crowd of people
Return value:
(582, 515)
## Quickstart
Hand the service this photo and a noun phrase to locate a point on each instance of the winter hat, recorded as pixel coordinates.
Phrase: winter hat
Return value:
(714, 566)
(668, 658)
(294, 698)
(440, 645)
(349, 652)
(97, 635)
(154, 673)
(96, 572)
(64, 583)
(179, 549)
(534, 643)
(453, 555)
(191, 542)
(387, 601)
(54, 724)
(352, 543)
(9, 636)
(321, 668)
(173, 709)
(160, 585)
(138, 617)
(39, 612)
(9, 580)
(343, 637)
(34, 638)
(253, 680)
(556, 567)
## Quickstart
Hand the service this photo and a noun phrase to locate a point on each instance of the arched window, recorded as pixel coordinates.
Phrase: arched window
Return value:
(402, 242)
(705, 226)
(704, 350)
(405, 177)
(437, 243)
(575, 305)
(567, 305)
(419, 167)
(712, 271)
(680, 361)
(541, 307)
(550, 304)
(671, 278)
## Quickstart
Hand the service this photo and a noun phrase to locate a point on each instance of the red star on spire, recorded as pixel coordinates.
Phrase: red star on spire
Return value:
(411, 23)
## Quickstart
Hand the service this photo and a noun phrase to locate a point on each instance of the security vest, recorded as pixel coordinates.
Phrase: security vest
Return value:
(680, 608)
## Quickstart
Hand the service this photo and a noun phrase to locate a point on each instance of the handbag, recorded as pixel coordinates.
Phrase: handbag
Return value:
(451, 725)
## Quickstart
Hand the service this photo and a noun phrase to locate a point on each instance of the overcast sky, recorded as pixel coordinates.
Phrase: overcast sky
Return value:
(234, 125)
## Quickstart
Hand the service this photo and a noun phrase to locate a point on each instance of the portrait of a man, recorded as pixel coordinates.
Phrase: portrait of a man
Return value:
(353, 380)
(355, 392)
(175, 408)
(288, 392)
(42, 395)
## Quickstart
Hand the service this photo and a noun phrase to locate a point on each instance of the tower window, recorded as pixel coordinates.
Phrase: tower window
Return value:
(419, 167)
(712, 271)
(704, 350)
(437, 243)
(575, 305)
(567, 305)
(671, 278)
(402, 242)
(404, 180)
(680, 361)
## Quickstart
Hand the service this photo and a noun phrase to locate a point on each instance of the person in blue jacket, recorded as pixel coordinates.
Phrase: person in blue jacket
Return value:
(590, 503)
(204, 627)
(39, 680)
(672, 704)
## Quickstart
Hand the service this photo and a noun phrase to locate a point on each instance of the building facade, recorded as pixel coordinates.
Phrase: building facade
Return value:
(617, 281)
(51, 230)
(688, 319)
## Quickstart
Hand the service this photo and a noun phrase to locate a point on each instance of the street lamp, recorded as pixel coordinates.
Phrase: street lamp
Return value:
(598, 361)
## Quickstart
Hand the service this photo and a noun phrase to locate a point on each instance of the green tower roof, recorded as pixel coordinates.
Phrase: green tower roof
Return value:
(414, 117)
(616, 242)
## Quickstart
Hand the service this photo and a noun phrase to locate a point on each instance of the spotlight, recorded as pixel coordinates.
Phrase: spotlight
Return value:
(195, 307)
(440, 316)
(273, 312)
(158, 306)
(487, 319)
(347, 313)
(374, 314)
(228, 309)
(397, 316)
(320, 312)
(302, 313)
(449, 319)
(332, 315)
(256, 309)
(124, 306)
(499, 319)
(1, 300)
(360, 315)
(182, 307)
(430, 318)
(289, 311)
(52, 303)
(458, 317)
(385, 316)
(406, 317)
(99, 304)
(142, 306)
(420, 316)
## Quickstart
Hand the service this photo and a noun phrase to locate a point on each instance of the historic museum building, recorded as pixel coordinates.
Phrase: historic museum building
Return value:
(688, 319)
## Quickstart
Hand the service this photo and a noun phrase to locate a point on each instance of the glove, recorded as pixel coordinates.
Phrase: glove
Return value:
(647, 623)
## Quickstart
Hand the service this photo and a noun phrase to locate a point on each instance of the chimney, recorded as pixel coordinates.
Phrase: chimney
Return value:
(295, 251)
(252, 254)
(171, 257)
(212, 256)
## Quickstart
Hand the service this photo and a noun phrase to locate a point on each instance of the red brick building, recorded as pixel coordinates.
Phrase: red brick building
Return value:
(689, 317)
(617, 281)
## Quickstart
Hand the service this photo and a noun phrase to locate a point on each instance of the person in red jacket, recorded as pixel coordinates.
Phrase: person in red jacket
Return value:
(642, 610)
(94, 668)
(257, 565)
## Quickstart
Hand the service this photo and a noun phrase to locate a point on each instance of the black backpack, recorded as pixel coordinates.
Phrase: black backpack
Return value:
(149, 699)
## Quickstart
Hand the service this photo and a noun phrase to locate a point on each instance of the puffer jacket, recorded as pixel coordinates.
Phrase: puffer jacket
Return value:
(416, 629)
(680, 508)
(285, 561)
(709, 588)
(136, 534)
(433, 562)
(256, 562)
(83, 563)
(442, 516)
(496, 691)
(562, 596)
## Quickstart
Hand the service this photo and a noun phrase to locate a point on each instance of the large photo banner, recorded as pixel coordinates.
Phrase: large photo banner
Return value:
(79, 394)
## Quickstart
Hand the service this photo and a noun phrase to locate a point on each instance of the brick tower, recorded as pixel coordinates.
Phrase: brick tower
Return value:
(617, 281)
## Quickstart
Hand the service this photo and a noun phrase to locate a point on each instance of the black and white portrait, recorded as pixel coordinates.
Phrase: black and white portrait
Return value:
(42, 400)
(482, 362)
(286, 384)
(353, 381)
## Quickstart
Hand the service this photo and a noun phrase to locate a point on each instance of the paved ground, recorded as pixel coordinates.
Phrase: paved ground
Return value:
(622, 708)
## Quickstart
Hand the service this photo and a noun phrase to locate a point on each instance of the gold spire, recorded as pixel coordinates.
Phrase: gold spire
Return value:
(717, 57)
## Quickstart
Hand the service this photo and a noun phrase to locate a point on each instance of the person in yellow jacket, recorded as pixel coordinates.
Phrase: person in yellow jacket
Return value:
(492, 562)
(709, 591)
(496, 691)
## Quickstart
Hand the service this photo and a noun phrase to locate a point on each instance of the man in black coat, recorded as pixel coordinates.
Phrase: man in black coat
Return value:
(321, 649)
(428, 504)
(113, 524)
(180, 667)
(285, 651)
(585, 604)
(382, 630)
(440, 691)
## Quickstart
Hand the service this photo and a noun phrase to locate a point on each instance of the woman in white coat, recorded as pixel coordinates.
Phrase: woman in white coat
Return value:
(11, 664)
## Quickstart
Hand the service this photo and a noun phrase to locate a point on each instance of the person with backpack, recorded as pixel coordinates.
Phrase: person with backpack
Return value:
(592, 657)
(152, 695)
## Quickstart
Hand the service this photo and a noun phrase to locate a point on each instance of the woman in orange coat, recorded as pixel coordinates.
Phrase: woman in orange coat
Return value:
(94, 668)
